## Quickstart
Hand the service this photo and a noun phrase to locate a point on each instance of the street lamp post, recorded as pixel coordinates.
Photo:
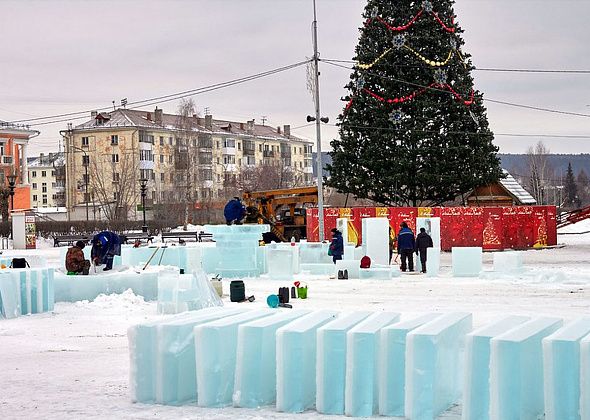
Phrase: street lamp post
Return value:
(143, 188)
(11, 186)
(86, 163)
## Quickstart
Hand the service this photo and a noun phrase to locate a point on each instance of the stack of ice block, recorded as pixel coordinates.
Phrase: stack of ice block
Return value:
(237, 248)
(467, 262)
(432, 262)
(516, 370)
(376, 239)
(434, 365)
(361, 395)
(392, 370)
(476, 389)
(75, 288)
(26, 291)
(561, 360)
(185, 292)
(508, 262)
(215, 357)
(255, 380)
(296, 362)
(331, 362)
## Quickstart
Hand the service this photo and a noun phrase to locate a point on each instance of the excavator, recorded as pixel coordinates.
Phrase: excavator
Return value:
(283, 210)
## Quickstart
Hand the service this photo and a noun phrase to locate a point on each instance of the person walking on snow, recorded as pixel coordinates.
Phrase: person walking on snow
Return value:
(423, 241)
(337, 245)
(405, 247)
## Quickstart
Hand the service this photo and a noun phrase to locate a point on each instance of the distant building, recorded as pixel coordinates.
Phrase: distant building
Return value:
(506, 192)
(13, 161)
(47, 180)
(183, 159)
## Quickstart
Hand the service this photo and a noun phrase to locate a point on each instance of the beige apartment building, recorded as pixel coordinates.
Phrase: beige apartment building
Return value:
(189, 159)
(47, 181)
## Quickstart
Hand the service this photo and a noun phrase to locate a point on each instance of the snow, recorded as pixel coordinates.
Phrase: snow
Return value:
(73, 362)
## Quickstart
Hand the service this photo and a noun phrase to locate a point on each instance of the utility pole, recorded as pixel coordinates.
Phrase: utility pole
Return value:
(316, 71)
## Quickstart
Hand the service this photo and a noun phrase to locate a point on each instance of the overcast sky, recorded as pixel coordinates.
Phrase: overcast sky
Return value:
(66, 56)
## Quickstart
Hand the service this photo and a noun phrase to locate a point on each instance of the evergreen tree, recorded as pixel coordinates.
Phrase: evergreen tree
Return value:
(414, 131)
(570, 188)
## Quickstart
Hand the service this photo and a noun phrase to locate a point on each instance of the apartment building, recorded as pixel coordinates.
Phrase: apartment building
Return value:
(47, 180)
(183, 159)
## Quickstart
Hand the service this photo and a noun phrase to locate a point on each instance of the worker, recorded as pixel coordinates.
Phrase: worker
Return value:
(105, 245)
(234, 212)
(75, 261)
(423, 241)
(405, 246)
(336, 249)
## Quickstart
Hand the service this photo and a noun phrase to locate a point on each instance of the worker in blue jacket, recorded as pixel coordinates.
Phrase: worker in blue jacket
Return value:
(105, 245)
(234, 211)
(336, 246)
(405, 247)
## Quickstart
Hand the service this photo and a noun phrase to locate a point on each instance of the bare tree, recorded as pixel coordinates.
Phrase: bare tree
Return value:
(540, 170)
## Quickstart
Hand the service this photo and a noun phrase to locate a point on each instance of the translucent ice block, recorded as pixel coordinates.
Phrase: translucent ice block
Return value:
(255, 378)
(314, 253)
(348, 252)
(467, 262)
(10, 306)
(318, 269)
(476, 394)
(508, 262)
(377, 273)
(432, 262)
(376, 239)
(342, 226)
(26, 291)
(296, 361)
(331, 362)
(361, 395)
(434, 365)
(561, 364)
(585, 378)
(351, 266)
(215, 355)
(184, 292)
(432, 227)
(393, 364)
(516, 370)
(280, 263)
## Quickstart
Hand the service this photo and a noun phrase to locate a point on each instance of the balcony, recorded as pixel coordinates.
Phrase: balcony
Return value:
(6, 160)
(308, 169)
(228, 150)
(268, 154)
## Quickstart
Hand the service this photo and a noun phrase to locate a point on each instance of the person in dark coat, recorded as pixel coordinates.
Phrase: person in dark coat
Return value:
(405, 247)
(75, 260)
(105, 245)
(337, 245)
(234, 211)
(423, 241)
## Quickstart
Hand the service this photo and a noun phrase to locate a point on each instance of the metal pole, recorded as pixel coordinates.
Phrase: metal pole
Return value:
(143, 192)
(86, 196)
(317, 127)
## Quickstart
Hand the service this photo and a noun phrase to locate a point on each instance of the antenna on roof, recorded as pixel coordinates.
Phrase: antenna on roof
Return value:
(263, 118)
(206, 110)
(124, 102)
(114, 109)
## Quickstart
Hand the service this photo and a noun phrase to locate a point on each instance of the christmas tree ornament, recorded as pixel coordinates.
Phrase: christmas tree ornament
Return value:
(399, 41)
(474, 118)
(360, 83)
(396, 116)
(440, 76)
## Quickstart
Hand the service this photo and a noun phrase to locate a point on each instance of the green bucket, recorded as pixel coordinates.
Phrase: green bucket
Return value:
(302, 292)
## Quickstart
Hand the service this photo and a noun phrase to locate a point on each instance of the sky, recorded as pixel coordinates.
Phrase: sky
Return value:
(68, 56)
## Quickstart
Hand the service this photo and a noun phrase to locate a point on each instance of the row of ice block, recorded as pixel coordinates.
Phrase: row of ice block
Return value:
(35, 261)
(187, 258)
(185, 292)
(26, 291)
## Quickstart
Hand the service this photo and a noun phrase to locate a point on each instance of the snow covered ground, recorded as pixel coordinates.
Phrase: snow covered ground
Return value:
(73, 363)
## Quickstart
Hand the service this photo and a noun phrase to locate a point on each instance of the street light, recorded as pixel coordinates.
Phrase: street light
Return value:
(86, 162)
(11, 185)
(143, 188)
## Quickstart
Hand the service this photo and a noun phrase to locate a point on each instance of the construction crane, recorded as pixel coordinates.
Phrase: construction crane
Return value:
(283, 210)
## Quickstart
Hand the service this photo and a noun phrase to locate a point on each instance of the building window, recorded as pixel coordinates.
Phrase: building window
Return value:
(115, 195)
(86, 197)
(170, 159)
(260, 147)
(84, 141)
(114, 140)
(86, 179)
(162, 177)
(145, 155)
(52, 173)
(229, 143)
(153, 176)
(171, 141)
(44, 187)
(34, 197)
(43, 174)
(34, 174)
(34, 185)
(54, 197)
(154, 195)
(194, 142)
(85, 160)
(239, 146)
(44, 199)
(115, 157)
(229, 159)
(217, 143)
(53, 184)
(116, 177)
(161, 158)
(161, 140)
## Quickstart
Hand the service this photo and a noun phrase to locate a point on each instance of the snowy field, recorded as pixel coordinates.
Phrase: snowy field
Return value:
(74, 363)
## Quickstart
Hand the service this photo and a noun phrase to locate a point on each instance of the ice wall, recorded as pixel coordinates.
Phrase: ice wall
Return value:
(26, 291)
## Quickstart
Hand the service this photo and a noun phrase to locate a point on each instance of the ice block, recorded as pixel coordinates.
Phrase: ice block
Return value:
(376, 239)
(467, 262)
(379, 273)
(361, 395)
(432, 262)
(516, 370)
(255, 378)
(296, 361)
(585, 378)
(392, 365)
(342, 226)
(25, 291)
(280, 263)
(432, 227)
(318, 269)
(331, 362)
(476, 388)
(434, 365)
(352, 267)
(215, 355)
(561, 369)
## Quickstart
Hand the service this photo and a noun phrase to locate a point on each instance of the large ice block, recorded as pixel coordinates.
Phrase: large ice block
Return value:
(432, 262)
(185, 292)
(392, 368)
(508, 262)
(376, 239)
(467, 261)
(348, 252)
(187, 258)
(255, 379)
(561, 369)
(331, 362)
(280, 263)
(432, 227)
(585, 378)
(434, 365)
(215, 356)
(361, 395)
(342, 226)
(296, 361)
(379, 273)
(516, 370)
(351, 266)
(237, 247)
(314, 253)
(476, 388)
(75, 288)
(26, 291)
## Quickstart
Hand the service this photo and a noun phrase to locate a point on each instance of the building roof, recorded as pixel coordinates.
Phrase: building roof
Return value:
(50, 160)
(516, 190)
(146, 119)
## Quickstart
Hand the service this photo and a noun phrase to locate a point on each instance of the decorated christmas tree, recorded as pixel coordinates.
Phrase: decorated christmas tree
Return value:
(414, 130)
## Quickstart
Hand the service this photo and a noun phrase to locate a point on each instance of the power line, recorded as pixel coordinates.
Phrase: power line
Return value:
(535, 108)
(165, 98)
